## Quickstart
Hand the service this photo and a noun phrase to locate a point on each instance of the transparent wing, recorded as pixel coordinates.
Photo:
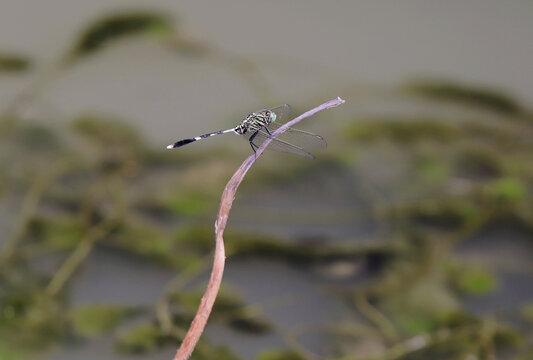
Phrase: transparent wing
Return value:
(300, 138)
(278, 144)
(282, 113)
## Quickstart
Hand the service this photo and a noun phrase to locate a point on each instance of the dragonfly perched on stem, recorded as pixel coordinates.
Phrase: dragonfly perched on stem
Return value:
(259, 126)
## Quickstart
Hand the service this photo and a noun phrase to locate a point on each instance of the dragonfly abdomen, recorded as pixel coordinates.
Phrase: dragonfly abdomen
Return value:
(180, 143)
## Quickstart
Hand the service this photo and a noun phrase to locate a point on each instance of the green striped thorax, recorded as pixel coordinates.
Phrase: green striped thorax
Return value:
(255, 121)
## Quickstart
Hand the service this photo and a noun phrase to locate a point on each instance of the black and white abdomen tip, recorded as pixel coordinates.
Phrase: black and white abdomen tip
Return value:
(180, 143)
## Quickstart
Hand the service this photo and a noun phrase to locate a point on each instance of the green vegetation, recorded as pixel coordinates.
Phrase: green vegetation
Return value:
(402, 130)
(280, 355)
(13, 63)
(469, 95)
(92, 320)
(141, 339)
(473, 279)
(117, 26)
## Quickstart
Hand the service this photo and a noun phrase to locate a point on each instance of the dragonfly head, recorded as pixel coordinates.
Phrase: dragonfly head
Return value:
(272, 116)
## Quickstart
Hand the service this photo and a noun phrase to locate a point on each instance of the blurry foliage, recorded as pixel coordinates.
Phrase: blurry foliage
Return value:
(93, 320)
(141, 339)
(472, 279)
(432, 169)
(147, 241)
(507, 190)
(401, 130)
(13, 63)
(117, 26)
(468, 95)
(148, 337)
(445, 213)
(280, 355)
(30, 138)
(421, 308)
(190, 203)
(464, 175)
(479, 163)
(228, 308)
(30, 320)
(107, 132)
(59, 233)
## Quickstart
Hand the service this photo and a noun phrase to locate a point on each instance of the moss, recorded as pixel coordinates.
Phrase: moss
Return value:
(218, 353)
(466, 94)
(147, 241)
(141, 339)
(432, 169)
(57, 233)
(194, 191)
(401, 130)
(113, 27)
(10, 351)
(472, 279)
(508, 190)
(280, 355)
(420, 308)
(31, 320)
(413, 324)
(200, 239)
(189, 203)
(13, 63)
(227, 301)
(92, 320)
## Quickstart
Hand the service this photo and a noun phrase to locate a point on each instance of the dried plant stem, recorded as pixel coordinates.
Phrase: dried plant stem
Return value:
(29, 207)
(75, 259)
(93, 233)
(33, 89)
(384, 325)
(206, 304)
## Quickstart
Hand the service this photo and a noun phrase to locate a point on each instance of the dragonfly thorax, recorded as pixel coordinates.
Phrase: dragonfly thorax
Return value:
(255, 121)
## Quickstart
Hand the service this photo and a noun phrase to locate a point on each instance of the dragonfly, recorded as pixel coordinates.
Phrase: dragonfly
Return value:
(259, 126)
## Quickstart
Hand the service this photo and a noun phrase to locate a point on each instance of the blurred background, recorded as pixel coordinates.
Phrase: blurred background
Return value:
(409, 237)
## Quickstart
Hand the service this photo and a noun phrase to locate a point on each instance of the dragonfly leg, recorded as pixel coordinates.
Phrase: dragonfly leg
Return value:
(251, 140)
(254, 147)
(268, 131)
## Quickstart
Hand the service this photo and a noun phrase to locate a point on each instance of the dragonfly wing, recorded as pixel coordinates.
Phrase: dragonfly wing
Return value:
(279, 145)
(300, 138)
(282, 113)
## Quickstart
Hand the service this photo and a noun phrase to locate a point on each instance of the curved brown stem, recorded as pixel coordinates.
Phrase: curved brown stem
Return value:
(206, 304)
